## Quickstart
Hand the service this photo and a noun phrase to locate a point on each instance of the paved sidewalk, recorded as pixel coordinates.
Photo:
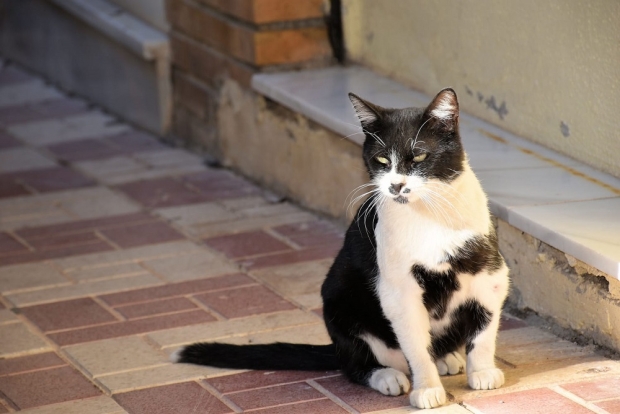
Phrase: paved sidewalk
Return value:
(116, 249)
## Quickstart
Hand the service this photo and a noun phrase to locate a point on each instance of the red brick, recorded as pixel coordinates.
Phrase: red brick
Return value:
(62, 240)
(611, 406)
(133, 327)
(247, 244)
(259, 379)
(269, 11)
(278, 395)
(312, 234)
(537, 401)
(157, 307)
(46, 387)
(207, 64)
(83, 226)
(54, 179)
(245, 301)
(595, 390)
(68, 314)
(362, 398)
(177, 289)
(141, 234)
(30, 363)
(507, 323)
(317, 406)
(162, 192)
(296, 256)
(56, 108)
(64, 251)
(135, 141)
(186, 397)
(9, 245)
(86, 149)
(7, 141)
(10, 188)
(2, 409)
(291, 46)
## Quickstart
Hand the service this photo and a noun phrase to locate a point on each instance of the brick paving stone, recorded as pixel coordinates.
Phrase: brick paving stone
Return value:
(536, 354)
(10, 188)
(7, 141)
(276, 395)
(156, 307)
(52, 385)
(297, 256)
(258, 379)
(7, 316)
(94, 405)
(162, 192)
(11, 74)
(53, 179)
(510, 322)
(56, 108)
(16, 338)
(244, 301)
(134, 141)
(535, 401)
(190, 215)
(28, 276)
(202, 264)
(137, 326)
(141, 234)
(30, 363)
(317, 406)
(611, 406)
(69, 314)
(177, 289)
(55, 242)
(595, 390)
(361, 398)
(247, 244)
(314, 334)
(22, 159)
(58, 251)
(83, 150)
(9, 245)
(168, 157)
(115, 355)
(23, 93)
(2, 408)
(310, 234)
(172, 399)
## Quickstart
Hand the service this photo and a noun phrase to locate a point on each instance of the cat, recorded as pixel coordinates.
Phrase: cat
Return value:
(419, 280)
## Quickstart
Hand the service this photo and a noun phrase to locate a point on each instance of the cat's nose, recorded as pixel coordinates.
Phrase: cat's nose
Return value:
(395, 188)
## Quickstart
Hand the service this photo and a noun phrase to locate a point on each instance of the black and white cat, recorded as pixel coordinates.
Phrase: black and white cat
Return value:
(419, 279)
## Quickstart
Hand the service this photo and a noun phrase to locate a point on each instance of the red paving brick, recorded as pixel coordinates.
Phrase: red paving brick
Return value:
(311, 234)
(506, 323)
(157, 307)
(82, 150)
(611, 406)
(362, 398)
(295, 256)
(595, 390)
(56, 108)
(177, 289)
(220, 184)
(68, 314)
(251, 300)
(2, 409)
(53, 179)
(162, 192)
(257, 379)
(536, 401)
(132, 235)
(30, 363)
(63, 251)
(10, 188)
(55, 242)
(278, 395)
(186, 397)
(136, 326)
(247, 244)
(7, 141)
(48, 386)
(317, 406)
(8, 244)
(134, 141)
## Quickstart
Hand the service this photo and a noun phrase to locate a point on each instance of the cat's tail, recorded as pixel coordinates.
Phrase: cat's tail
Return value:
(276, 356)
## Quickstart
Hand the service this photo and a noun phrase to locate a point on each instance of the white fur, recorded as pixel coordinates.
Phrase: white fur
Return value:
(389, 381)
(388, 357)
(445, 108)
(422, 232)
(451, 364)
(175, 356)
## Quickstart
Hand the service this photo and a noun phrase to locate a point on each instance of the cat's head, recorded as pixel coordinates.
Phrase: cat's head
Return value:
(408, 152)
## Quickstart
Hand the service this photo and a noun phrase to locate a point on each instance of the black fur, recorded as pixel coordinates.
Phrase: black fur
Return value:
(351, 306)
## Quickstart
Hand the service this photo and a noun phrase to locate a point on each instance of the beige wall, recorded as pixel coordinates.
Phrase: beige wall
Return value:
(555, 64)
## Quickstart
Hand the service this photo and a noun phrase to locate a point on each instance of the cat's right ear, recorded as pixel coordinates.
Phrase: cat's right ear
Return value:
(367, 112)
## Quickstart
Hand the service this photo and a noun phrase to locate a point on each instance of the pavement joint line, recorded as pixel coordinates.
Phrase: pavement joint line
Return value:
(269, 230)
(474, 410)
(107, 240)
(208, 387)
(109, 308)
(558, 389)
(27, 245)
(135, 369)
(334, 398)
(206, 308)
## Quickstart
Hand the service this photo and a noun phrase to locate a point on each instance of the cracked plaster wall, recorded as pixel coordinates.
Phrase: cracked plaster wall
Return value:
(547, 71)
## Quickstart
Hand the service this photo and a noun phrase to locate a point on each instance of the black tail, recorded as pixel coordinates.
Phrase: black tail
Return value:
(276, 356)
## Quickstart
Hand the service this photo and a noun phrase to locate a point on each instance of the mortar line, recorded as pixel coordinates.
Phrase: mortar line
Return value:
(334, 398)
(577, 399)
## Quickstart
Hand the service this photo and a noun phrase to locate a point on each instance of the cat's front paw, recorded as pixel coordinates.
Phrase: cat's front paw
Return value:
(389, 381)
(428, 397)
(452, 364)
(486, 379)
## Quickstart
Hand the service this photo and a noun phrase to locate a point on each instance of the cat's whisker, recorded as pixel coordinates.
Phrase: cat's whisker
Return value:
(416, 135)
(355, 190)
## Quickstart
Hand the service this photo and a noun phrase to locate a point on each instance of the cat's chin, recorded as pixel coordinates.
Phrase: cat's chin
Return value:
(401, 200)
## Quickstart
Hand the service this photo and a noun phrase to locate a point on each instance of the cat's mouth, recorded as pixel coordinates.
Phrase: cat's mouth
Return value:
(402, 200)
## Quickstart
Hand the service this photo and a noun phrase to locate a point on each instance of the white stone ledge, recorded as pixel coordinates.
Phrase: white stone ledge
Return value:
(556, 199)
(108, 18)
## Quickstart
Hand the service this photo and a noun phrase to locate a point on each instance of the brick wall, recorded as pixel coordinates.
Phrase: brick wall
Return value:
(213, 40)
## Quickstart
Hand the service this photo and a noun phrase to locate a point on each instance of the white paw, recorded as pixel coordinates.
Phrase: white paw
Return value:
(487, 379)
(453, 363)
(428, 397)
(389, 381)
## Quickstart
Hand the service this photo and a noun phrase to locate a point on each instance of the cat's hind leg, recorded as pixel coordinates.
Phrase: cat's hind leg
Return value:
(450, 364)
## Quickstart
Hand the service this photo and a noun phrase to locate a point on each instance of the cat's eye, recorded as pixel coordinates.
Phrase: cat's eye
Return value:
(382, 160)
(420, 158)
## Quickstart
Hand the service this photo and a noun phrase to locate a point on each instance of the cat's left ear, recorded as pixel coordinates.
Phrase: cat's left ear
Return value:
(444, 109)
(368, 113)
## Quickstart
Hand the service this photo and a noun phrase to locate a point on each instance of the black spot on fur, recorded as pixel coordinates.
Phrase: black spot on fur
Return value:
(478, 253)
(438, 289)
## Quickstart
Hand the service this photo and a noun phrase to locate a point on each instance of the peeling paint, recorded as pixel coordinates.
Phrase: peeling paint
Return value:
(501, 110)
(564, 129)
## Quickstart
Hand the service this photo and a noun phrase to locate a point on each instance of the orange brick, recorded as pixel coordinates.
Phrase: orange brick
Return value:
(268, 11)
(291, 46)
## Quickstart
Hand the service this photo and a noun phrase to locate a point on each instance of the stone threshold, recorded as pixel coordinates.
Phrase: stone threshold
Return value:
(557, 200)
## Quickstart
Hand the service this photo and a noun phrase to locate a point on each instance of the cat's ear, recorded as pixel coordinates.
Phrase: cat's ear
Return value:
(367, 112)
(444, 109)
